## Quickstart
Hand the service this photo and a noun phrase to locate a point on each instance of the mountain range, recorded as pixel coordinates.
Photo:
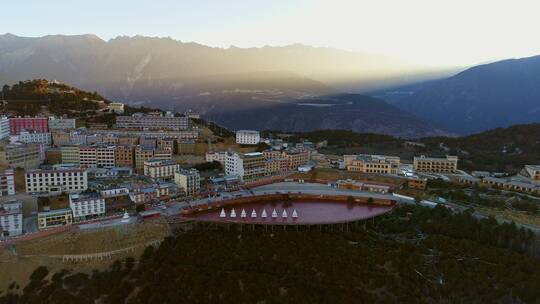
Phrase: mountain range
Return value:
(270, 83)
(273, 84)
(483, 97)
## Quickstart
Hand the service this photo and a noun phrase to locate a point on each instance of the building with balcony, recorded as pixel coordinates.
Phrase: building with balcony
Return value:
(124, 156)
(152, 122)
(189, 181)
(248, 166)
(54, 218)
(160, 169)
(379, 164)
(447, 164)
(58, 179)
(70, 154)
(248, 137)
(86, 206)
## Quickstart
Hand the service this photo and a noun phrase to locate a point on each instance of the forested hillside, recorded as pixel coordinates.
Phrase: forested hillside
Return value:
(414, 255)
(502, 149)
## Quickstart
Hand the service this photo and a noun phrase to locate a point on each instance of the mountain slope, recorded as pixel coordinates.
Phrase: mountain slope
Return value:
(480, 98)
(354, 112)
(123, 67)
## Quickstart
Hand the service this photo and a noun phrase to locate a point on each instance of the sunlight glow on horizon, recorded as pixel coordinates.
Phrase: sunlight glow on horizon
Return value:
(433, 32)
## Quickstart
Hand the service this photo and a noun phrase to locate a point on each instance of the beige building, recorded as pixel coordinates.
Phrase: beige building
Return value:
(124, 156)
(379, 164)
(26, 156)
(436, 164)
(219, 156)
(142, 155)
(276, 165)
(295, 157)
(160, 169)
(185, 147)
(70, 154)
(55, 218)
(189, 181)
(60, 138)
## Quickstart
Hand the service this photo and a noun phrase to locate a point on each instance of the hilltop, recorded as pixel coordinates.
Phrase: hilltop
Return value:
(43, 97)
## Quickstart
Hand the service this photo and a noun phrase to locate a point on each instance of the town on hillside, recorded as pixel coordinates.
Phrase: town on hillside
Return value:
(57, 174)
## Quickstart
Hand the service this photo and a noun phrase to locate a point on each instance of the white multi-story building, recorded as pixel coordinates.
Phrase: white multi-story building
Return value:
(56, 180)
(56, 123)
(160, 169)
(7, 183)
(141, 121)
(4, 127)
(116, 107)
(216, 156)
(248, 166)
(11, 218)
(31, 137)
(189, 181)
(86, 206)
(247, 137)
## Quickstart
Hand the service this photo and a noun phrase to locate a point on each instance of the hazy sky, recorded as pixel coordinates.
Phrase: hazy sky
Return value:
(453, 32)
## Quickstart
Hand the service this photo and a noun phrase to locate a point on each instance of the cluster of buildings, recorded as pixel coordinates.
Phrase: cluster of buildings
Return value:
(527, 181)
(86, 165)
(384, 164)
(255, 165)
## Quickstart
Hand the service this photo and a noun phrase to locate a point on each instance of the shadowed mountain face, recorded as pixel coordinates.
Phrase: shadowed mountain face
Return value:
(354, 112)
(484, 97)
(227, 84)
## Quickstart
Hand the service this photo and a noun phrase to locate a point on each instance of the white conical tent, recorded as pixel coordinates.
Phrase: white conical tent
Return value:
(253, 213)
(294, 214)
(223, 214)
(284, 214)
(274, 213)
(243, 213)
(233, 213)
(263, 214)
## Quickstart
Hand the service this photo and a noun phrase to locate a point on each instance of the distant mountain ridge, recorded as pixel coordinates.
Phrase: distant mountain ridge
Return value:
(232, 85)
(124, 66)
(355, 112)
(484, 97)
